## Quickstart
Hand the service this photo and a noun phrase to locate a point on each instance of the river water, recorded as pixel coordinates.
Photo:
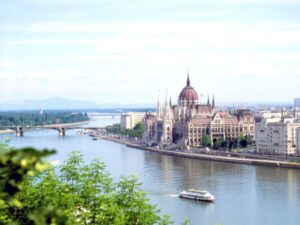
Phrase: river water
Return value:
(245, 195)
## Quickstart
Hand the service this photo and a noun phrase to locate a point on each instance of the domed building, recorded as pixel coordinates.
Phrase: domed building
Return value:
(188, 95)
(186, 123)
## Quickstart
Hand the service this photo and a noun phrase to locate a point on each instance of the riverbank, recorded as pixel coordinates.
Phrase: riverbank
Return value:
(227, 159)
(6, 131)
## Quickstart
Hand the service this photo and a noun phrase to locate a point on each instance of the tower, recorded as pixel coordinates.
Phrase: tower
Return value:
(213, 102)
(159, 109)
(167, 126)
(208, 102)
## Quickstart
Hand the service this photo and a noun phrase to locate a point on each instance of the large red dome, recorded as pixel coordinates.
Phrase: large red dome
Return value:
(188, 93)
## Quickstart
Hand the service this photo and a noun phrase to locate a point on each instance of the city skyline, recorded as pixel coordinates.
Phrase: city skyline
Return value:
(124, 52)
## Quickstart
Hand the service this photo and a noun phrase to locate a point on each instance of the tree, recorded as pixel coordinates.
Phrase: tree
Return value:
(138, 130)
(217, 143)
(16, 168)
(224, 144)
(33, 193)
(206, 142)
(243, 142)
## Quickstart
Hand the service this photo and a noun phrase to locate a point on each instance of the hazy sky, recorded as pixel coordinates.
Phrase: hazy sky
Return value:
(118, 51)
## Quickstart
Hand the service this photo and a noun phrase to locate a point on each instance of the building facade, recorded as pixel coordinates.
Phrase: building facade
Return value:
(297, 102)
(298, 141)
(186, 123)
(129, 120)
(277, 136)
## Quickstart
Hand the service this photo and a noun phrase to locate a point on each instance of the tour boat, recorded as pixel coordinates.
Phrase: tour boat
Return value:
(200, 195)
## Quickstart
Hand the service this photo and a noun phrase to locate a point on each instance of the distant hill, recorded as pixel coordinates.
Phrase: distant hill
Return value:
(61, 103)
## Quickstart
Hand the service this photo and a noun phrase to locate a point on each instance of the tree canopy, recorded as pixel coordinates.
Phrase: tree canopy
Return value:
(37, 119)
(32, 192)
(206, 141)
(136, 132)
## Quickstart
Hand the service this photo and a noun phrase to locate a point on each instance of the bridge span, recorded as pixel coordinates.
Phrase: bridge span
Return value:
(19, 130)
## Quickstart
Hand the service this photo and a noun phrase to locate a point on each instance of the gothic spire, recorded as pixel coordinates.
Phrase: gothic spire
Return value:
(158, 113)
(208, 102)
(213, 102)
(188, 83)
(166, 105)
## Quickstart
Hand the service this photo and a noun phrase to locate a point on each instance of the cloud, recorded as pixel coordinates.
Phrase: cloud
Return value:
(106, 60)
(168, 35)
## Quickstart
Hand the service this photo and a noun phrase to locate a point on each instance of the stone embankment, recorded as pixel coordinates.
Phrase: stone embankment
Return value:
(201, 156)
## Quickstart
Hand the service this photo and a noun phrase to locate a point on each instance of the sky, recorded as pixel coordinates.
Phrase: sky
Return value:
(124, 52)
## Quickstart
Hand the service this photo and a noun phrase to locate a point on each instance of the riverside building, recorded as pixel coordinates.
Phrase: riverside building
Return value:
(297, 102)
(129, 120)
(277, 136)
(185, 124)
(298, 141)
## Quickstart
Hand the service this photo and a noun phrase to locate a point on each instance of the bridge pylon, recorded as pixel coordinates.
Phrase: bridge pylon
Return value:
(19, 131)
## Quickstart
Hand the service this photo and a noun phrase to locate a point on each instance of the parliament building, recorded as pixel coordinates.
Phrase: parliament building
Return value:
(185, 124)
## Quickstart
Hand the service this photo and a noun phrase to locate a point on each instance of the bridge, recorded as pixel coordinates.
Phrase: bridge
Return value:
(104, 114)
(19, 130)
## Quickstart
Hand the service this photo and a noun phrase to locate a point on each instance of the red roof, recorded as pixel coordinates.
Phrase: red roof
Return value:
(200, 121)
(188, 94)
(203, 108)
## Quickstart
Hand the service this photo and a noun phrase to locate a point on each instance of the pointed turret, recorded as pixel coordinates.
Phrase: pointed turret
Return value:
(188, 82)
(208, 102)
(213, 102)
(158, 110)
(166, 109)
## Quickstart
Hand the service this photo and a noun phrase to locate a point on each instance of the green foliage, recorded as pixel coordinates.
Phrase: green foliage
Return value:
(217, 143)
(138, 129)
(15, 167)
(36, 119)
(244, 141)
(136, 132)
(206, 141)
(33, 193)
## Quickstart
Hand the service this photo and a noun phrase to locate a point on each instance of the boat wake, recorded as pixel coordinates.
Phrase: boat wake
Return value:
(173, 195)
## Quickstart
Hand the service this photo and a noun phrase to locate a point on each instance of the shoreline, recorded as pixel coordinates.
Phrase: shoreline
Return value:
(216, 158)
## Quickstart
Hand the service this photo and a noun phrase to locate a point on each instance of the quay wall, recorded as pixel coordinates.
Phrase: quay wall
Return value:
(257, 162)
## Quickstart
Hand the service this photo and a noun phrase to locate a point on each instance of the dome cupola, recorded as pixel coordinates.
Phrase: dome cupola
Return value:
(188, 95)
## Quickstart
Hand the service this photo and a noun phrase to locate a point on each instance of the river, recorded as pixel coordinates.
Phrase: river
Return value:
(245, 194)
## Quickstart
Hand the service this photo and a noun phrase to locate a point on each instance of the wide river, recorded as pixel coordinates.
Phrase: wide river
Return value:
(245, 195)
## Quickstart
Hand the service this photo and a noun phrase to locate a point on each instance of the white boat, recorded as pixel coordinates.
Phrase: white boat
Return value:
(200, 195)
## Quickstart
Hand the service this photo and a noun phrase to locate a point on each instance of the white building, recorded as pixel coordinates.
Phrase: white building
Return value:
(298, 141)
(129, 120)
(297, 102)
(276, 136)
(267, 114)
